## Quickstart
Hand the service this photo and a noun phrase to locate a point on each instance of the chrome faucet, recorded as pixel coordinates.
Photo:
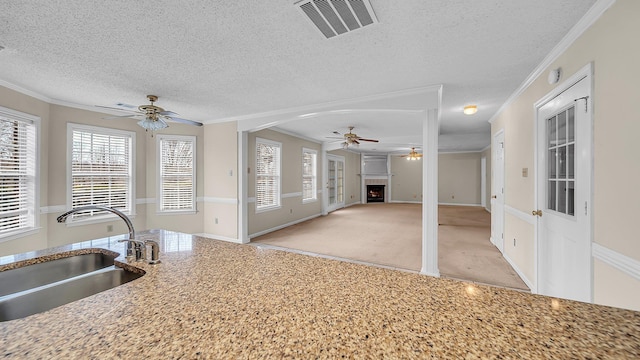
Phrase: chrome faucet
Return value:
(132, 233)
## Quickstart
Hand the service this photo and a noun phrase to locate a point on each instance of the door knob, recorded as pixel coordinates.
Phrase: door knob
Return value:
(494, 197)
(537, 213)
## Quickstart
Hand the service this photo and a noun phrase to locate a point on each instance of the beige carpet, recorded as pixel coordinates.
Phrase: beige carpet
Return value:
(390, 234)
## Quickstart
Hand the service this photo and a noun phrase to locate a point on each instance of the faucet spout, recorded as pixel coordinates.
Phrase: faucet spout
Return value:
(132, 233)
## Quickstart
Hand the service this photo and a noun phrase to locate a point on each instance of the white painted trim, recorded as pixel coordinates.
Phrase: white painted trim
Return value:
(404, 202)
(251, 199)
(486, 147)
(520, 273)
(488, 210)
(429, 253)
(291, 133)
(53, 209)
(617, 260)
(457, 204)
(315, 107)
(259, 233)
(219, 237)
(576, 31)
(290, 195)
(460, 152)
(219, 200)
(528, 218)
(25, 91)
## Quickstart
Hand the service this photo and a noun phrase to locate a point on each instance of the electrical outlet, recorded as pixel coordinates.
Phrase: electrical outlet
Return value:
(290, 211)
(453, 196)
(230, 172)
(514, 241)
(109, 228)
(216, 220)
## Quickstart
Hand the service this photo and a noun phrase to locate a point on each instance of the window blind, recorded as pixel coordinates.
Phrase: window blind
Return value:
(101, 170)
(267, 174)
(177, 173)
(18, 174)
(309, 192)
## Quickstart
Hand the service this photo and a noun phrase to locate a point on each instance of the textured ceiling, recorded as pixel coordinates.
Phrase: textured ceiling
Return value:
(212, 61)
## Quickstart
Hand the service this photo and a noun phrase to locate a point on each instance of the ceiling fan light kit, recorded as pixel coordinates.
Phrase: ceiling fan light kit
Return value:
(153, 117)
(350, 138)
(413, 155)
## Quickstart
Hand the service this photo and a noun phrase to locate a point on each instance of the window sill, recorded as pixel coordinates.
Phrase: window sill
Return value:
(308, 201)
(96, 220)
(19, 233)
(267, 209)
(175, 212)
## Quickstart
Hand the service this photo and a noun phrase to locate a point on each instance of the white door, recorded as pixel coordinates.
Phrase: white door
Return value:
(483, 182)
(564, 193)
(497, 196)
(335, 184)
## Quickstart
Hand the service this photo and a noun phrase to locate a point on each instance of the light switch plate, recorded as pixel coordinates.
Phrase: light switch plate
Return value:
(525, 172)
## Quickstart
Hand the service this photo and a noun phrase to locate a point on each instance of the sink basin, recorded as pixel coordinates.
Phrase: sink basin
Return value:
(31, 276)
(58, 282)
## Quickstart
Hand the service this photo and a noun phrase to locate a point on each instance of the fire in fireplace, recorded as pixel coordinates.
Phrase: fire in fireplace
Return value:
(375, 193)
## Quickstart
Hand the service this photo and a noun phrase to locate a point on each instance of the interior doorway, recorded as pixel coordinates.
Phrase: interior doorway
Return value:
(497, 185)
(564, 187)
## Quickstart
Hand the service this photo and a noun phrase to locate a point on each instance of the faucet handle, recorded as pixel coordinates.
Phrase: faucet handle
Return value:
(155, 251)
(140, 249)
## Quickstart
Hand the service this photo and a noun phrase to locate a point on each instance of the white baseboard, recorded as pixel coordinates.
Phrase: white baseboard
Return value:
(619, 261)
(219, 237)
(526, 280)
(283, 226)
(488, 210)
(404, 202)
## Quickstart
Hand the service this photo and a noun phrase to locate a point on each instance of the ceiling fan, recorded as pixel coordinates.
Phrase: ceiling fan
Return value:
(152, 117)
(412, 155)
(350, 138)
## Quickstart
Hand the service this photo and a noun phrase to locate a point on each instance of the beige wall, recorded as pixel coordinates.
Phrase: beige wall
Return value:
(616, 202)
(53, 175)
(459, 178)
(406, 180)
(292, 209)
(220, 170)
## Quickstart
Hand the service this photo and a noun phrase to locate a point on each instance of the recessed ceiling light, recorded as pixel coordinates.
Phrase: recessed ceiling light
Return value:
(470, 109)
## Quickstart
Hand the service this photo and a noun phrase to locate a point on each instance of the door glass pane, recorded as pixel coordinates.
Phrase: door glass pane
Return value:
(332, 182)
(562, 196)
(551, 164)
(551, 132)
(551, 195)
(562, 162)
(562, 127)
(570, 162)
(571, 199)
(340, 197)
(571, 125)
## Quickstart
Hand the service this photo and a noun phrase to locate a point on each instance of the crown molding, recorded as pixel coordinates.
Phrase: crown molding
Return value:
(594, 13)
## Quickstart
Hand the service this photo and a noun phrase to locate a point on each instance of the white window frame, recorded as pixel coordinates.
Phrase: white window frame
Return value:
(102, 217)
(313, 176)
(33, 222)
(278, 189)
(185, 138)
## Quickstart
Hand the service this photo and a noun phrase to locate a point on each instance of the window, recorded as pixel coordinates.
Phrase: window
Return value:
(101, 170)
(267, 174)
(309, 192)
(177, 174)
(18, 173)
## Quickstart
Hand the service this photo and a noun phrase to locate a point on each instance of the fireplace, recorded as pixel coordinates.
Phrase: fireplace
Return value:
(375, 193)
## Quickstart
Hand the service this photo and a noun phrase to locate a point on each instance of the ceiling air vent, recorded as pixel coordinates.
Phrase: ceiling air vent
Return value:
(336, 17)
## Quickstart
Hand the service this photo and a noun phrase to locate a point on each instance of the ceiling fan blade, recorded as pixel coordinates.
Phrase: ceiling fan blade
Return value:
(181, 120)
(356, 142)
(334, 137)
(370, 140)
(337, 133)
(168, 113)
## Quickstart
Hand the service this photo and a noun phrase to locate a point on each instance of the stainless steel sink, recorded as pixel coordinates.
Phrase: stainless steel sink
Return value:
(50, 294)
(31, 276)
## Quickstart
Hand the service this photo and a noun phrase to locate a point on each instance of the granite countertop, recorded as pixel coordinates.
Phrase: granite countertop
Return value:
(213, 300)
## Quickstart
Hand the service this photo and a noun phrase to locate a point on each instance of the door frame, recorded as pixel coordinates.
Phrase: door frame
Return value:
(499, 243)
(584, 73)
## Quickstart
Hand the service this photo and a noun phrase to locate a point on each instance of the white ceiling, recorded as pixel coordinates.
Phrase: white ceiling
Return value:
(217, 61)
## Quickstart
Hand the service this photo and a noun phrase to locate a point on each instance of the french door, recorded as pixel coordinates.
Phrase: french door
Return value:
(335, 182)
